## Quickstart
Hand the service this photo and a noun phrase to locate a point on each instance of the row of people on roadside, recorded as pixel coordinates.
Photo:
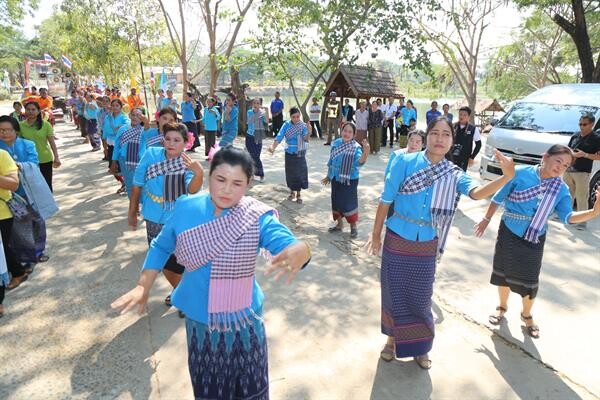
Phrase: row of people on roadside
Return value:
(27, 156)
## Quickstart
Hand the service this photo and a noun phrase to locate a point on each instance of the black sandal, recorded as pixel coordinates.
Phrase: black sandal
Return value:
(168, 301)
(496, 319)
(43, 258)
(532, 330)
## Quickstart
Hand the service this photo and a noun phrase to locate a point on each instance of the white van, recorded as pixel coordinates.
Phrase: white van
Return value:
(545, 117)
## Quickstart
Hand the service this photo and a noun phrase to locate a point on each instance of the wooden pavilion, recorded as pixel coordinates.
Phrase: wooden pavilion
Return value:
(360, 82)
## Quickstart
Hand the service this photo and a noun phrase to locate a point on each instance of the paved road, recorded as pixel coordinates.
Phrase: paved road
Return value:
(60, 340)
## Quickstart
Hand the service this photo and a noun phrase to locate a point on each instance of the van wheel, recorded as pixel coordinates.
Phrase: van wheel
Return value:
(594, 184)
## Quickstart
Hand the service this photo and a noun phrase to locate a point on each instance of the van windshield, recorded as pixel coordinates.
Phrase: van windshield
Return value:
(549, 118)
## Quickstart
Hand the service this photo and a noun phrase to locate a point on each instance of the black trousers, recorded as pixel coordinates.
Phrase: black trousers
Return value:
(317, 131)
(384, 133)
(46, 170)
(277, 123)
(14, 267)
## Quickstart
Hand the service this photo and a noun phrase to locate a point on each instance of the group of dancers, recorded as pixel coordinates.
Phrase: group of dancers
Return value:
(207, 244)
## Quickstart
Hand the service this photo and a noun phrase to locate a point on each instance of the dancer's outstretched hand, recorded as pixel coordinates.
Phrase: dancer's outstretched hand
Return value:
(289, 261)
(480, 227)
(135, 297)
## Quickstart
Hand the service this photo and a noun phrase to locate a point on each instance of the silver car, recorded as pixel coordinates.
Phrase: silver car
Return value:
(546, 117)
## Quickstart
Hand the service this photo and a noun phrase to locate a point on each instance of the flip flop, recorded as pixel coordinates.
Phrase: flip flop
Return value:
(387, 353)
(496, 319)
(299, 200)
(43, 258)
(353, 233)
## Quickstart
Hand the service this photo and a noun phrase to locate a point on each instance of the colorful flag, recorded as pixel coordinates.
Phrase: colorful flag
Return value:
(66, 62)
(163, 81)
(48, 58)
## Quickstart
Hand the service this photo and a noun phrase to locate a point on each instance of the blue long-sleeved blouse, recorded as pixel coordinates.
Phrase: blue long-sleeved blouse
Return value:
(292, 144)
(22, 150)
(336, 164)
(153, 189)
(526, 177)
(191, 295)
(415, 207)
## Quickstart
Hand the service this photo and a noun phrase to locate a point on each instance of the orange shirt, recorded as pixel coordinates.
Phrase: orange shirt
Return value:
(134, 101)
(45, 104)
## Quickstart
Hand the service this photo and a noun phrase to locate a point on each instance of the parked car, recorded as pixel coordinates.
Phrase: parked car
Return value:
(546, 117)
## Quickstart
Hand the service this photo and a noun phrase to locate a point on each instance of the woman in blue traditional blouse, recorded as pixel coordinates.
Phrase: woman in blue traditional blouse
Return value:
(153, 137)
(425, 189)
(162, 176)
(112, 123)
(125, 155)
(529, 199)
(295, 133)
(217, 236)
(345, 158)
(230, 121)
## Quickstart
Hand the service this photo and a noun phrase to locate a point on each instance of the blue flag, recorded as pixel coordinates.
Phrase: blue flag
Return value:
(163, 81)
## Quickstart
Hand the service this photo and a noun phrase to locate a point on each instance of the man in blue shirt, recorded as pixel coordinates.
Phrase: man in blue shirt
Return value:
(277, 113)
(433, 113)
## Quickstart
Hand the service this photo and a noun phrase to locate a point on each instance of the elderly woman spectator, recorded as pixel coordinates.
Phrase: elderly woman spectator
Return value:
(24, 154)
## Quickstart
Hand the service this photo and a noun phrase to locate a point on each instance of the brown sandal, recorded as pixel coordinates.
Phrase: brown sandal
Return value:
(423, 361)
(496, 319)
(533, 330)
(388, 352)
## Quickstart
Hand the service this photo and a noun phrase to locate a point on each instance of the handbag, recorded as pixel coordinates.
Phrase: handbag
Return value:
(18, 206)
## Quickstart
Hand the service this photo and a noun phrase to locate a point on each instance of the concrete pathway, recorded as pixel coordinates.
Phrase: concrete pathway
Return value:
(60, 340)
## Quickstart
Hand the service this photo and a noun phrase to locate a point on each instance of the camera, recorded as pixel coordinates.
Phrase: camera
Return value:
(456, 150)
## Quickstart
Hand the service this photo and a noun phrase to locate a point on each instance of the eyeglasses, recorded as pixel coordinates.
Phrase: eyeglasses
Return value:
(7, 130)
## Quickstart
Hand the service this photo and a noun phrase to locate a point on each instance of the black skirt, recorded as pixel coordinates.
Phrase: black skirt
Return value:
(296, 172)
(517, 262)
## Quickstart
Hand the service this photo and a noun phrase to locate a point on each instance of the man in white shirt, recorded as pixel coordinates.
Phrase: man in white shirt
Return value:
(389, 114)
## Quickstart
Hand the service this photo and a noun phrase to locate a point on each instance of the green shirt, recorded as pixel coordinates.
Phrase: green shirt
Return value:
(40, 138)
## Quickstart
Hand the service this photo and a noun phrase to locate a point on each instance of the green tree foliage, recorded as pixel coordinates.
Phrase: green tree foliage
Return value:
(99, 37)
(13, 11)
(541, 54)
(343, 30)
(580, 19)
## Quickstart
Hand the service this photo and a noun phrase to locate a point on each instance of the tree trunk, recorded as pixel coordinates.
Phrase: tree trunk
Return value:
(579, 33)
(238, 89)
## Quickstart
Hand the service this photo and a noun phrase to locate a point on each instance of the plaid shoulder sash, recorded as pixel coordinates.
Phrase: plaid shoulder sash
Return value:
(296, 131)
(154, 140)
(174, 171)
(546, 192)
(131, 137)
(230, 243)
(443, 176)
(346, 151)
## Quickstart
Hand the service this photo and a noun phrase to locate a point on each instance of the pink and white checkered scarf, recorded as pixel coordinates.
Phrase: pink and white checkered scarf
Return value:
(231, 244)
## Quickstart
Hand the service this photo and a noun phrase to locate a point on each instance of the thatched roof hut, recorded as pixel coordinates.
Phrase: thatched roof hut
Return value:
(362, 83)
